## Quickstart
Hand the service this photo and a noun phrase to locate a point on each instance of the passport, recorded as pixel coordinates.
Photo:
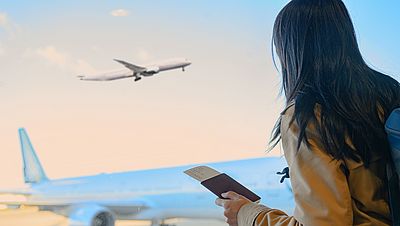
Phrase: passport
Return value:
(219, 183)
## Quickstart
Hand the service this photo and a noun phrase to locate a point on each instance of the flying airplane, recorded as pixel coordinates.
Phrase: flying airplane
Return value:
(155, 195)
(138, 71)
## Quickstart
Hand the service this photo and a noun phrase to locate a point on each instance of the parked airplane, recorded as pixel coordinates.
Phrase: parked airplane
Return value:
(138, 71)
(155, 195)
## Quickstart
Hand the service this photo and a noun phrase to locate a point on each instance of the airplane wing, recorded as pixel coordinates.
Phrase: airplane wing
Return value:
(20, 191)
(131, 203)
(135, 68)
(117, 206)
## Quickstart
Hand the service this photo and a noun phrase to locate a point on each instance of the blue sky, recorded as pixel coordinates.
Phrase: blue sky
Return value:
(376, 22)
(377, 26)
(223, 107)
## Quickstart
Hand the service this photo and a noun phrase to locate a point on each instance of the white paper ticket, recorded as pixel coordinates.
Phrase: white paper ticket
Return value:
(202, 173)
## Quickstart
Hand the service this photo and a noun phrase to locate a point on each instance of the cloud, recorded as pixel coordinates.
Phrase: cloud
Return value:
(119, 12)
(11, 28)
(83, 67)
(3, 20)
(2, 51)
(52, 55)
(61, 59)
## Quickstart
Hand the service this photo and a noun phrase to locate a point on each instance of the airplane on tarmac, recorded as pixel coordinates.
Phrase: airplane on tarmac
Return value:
(138, 71)
(155, 194)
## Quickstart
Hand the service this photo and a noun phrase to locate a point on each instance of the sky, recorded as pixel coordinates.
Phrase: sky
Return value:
(223, 107)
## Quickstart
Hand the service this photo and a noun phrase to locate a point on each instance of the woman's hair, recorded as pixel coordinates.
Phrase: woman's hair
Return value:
(321, 64)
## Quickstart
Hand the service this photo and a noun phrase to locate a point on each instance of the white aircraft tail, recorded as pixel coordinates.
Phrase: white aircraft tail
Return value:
(33, 171)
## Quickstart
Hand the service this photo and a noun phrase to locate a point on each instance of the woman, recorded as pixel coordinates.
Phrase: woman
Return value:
(332, 129)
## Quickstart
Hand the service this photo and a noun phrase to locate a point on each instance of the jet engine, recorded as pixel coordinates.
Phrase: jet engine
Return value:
(152, 70)
(91, 215)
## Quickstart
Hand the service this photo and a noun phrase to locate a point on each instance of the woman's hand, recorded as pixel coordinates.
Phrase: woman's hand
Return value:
(232, 205)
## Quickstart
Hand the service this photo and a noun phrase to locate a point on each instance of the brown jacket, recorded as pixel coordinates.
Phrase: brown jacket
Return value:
(324, 195)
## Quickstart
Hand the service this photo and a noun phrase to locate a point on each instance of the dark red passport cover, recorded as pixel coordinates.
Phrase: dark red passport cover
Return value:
(223, 183)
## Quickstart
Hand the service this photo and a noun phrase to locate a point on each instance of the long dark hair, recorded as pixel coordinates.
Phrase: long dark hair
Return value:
(321, 64)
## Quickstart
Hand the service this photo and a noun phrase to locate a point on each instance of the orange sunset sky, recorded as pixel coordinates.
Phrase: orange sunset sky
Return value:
(223, 107)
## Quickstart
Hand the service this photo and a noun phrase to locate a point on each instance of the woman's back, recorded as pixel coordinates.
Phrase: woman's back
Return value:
(368, 191)
(329, 191)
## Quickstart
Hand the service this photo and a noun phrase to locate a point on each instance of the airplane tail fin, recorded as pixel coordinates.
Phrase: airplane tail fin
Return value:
(33, 171)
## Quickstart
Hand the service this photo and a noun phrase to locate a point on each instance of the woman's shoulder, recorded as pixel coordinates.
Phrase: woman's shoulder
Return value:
(290, 132)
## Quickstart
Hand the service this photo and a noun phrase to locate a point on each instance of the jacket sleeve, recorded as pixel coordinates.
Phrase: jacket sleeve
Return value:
(256, 214)
(319, 186)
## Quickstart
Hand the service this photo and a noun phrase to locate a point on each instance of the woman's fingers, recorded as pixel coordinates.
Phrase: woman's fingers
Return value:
(222, 202)
(231, 195)
(232, 202)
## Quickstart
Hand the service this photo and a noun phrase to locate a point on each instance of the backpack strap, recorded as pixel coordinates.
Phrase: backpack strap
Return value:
(394, 193)
(392, 128)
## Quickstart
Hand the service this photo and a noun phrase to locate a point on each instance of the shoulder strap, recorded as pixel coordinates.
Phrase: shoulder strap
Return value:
(394, 193)
(392, 127)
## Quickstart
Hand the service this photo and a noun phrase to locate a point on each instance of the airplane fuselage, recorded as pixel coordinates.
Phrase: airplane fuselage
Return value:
(173, 64)
(137, 71)
(169, 191)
